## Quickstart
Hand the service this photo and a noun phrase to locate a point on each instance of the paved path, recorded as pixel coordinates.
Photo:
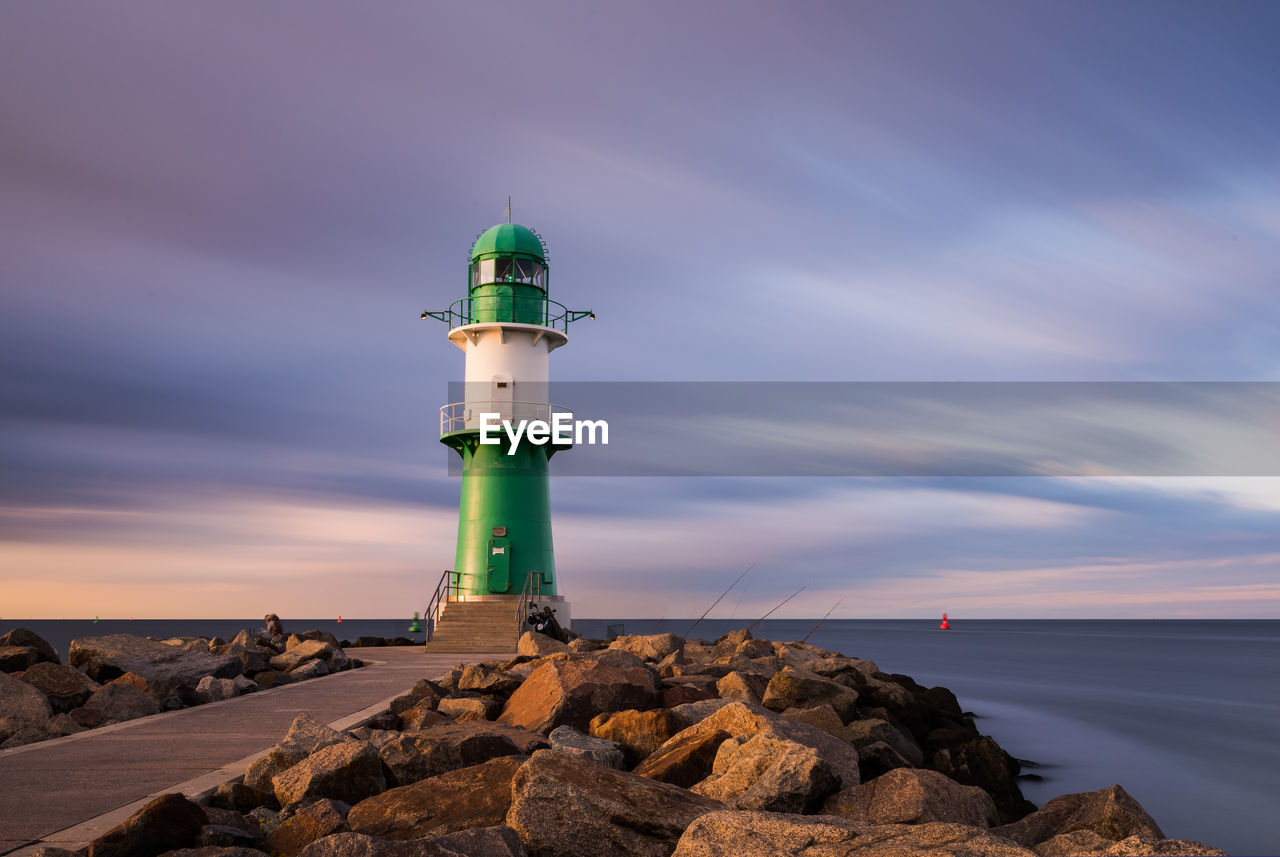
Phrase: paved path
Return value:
(67, 791)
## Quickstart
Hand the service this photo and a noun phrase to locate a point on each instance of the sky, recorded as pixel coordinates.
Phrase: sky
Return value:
(220, 222)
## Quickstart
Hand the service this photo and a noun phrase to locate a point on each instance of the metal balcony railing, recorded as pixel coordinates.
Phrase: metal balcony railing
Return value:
(521, 309)
(457, 416)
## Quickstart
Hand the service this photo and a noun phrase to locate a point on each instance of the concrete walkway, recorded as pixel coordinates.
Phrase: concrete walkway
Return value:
(69, 790)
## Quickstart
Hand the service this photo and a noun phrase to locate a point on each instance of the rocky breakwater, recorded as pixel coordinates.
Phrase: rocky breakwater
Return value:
(646, 746)
(120, 677)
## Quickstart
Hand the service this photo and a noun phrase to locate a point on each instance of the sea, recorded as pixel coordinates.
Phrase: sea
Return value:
(1184, 714)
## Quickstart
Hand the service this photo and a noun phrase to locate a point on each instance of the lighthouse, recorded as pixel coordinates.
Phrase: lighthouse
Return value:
(506, 326)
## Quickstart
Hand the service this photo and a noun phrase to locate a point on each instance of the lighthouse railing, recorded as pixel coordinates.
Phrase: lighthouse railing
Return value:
(459, 416)
(446, 591)
(508, 308)
(530, 593)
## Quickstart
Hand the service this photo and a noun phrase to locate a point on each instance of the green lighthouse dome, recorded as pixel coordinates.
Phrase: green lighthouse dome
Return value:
(508, 239)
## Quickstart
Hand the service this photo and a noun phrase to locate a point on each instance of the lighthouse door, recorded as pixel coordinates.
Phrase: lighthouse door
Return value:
(499, 564)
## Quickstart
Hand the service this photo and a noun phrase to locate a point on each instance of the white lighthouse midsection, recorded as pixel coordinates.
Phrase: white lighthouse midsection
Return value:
(507, 369)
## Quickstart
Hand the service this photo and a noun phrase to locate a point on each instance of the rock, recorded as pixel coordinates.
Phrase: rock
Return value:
(86, 717)
(765, 834)
(306, 650)
(62, 724)
(317, 634)
(462, 709)
(24, 638)
(649, 647)
(359, 845)
(538, 645)
(1073, 843)
(742, 719)
(215, 851)
(347, 771)
(862, 733)
(1139, 845)
(980, 762)
(21, 707)
(638, 733)
(487, 679)
(65, 687)
(728, 644)
(15, 659)
(684, 760)
(262, 820)
(168, 822)
(799, 688)
(696, 712)
(910, 796)
(211, 689)
(166, 670)
(745, 686)
(305, 736)
(120, 702)
(254, 658)
(309, 669)
(572, 692)
(498, 841)
(421, 716)
(567, 806)
(304, 824)
(25, 735)
(272, 678)
(879, 758)
(822, 717)
(413, 756)
(583, 645)
(566, 739)
(682, 694)
(769, 773)
(934, 839)
(244, 684)
(476, 796)
(225, 836)
(54, 851)
(237, 796)
(1109, 812)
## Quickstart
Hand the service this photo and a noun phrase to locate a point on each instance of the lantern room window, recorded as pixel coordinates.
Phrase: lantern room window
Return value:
(508, 270)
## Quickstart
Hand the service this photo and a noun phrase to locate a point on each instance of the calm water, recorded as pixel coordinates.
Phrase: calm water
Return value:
(1182, 714)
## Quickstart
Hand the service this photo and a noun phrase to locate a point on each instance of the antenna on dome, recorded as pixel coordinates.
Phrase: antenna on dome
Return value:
(508, 209)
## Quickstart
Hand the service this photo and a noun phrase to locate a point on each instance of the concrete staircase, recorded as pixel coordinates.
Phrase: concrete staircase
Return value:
(475, 626)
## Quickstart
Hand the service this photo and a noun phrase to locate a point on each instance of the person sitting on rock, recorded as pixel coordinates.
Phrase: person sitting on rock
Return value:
(274, 628)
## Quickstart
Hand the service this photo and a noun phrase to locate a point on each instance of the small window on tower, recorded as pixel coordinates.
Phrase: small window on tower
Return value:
(537, 274)
(475, 275)
(524, 270)
(486, 271)
(503, 272)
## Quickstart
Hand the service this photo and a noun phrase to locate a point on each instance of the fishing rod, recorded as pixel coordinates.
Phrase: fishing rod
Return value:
(780, 603)
(717, 601)
(820, 621)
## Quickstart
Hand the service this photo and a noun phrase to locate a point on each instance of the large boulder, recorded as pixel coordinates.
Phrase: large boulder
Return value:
(822, 717)
(793, 687)
(638, 733)
(538, 645)
(117, 703)
(347, 771)
(464, 708)
(360, 845)
(21, 707)
(981, 762)
(863, 733)
(487, 679)
(167, 823)
(1140, 845)
(566, 739)
(748, 687)
(308, 650)
(1109, 812)
(684, 760)
(567, 806)
(307, 822)
(497, 841)
(305, 736)
(21, 649)
(211, 689)
(413, 756)
(768, 773)
(910, 796)
(167, 670)
(572, 692)
(649, 647)
(477, 796)
(65, 687)
(743, 720)
(765, 834)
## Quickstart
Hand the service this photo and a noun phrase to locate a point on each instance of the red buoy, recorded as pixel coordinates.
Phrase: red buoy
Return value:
(945, 624)
(340, 618)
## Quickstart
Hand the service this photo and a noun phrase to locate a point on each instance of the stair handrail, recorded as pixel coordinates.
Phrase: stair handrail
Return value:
(446, 591)
(531, 591)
